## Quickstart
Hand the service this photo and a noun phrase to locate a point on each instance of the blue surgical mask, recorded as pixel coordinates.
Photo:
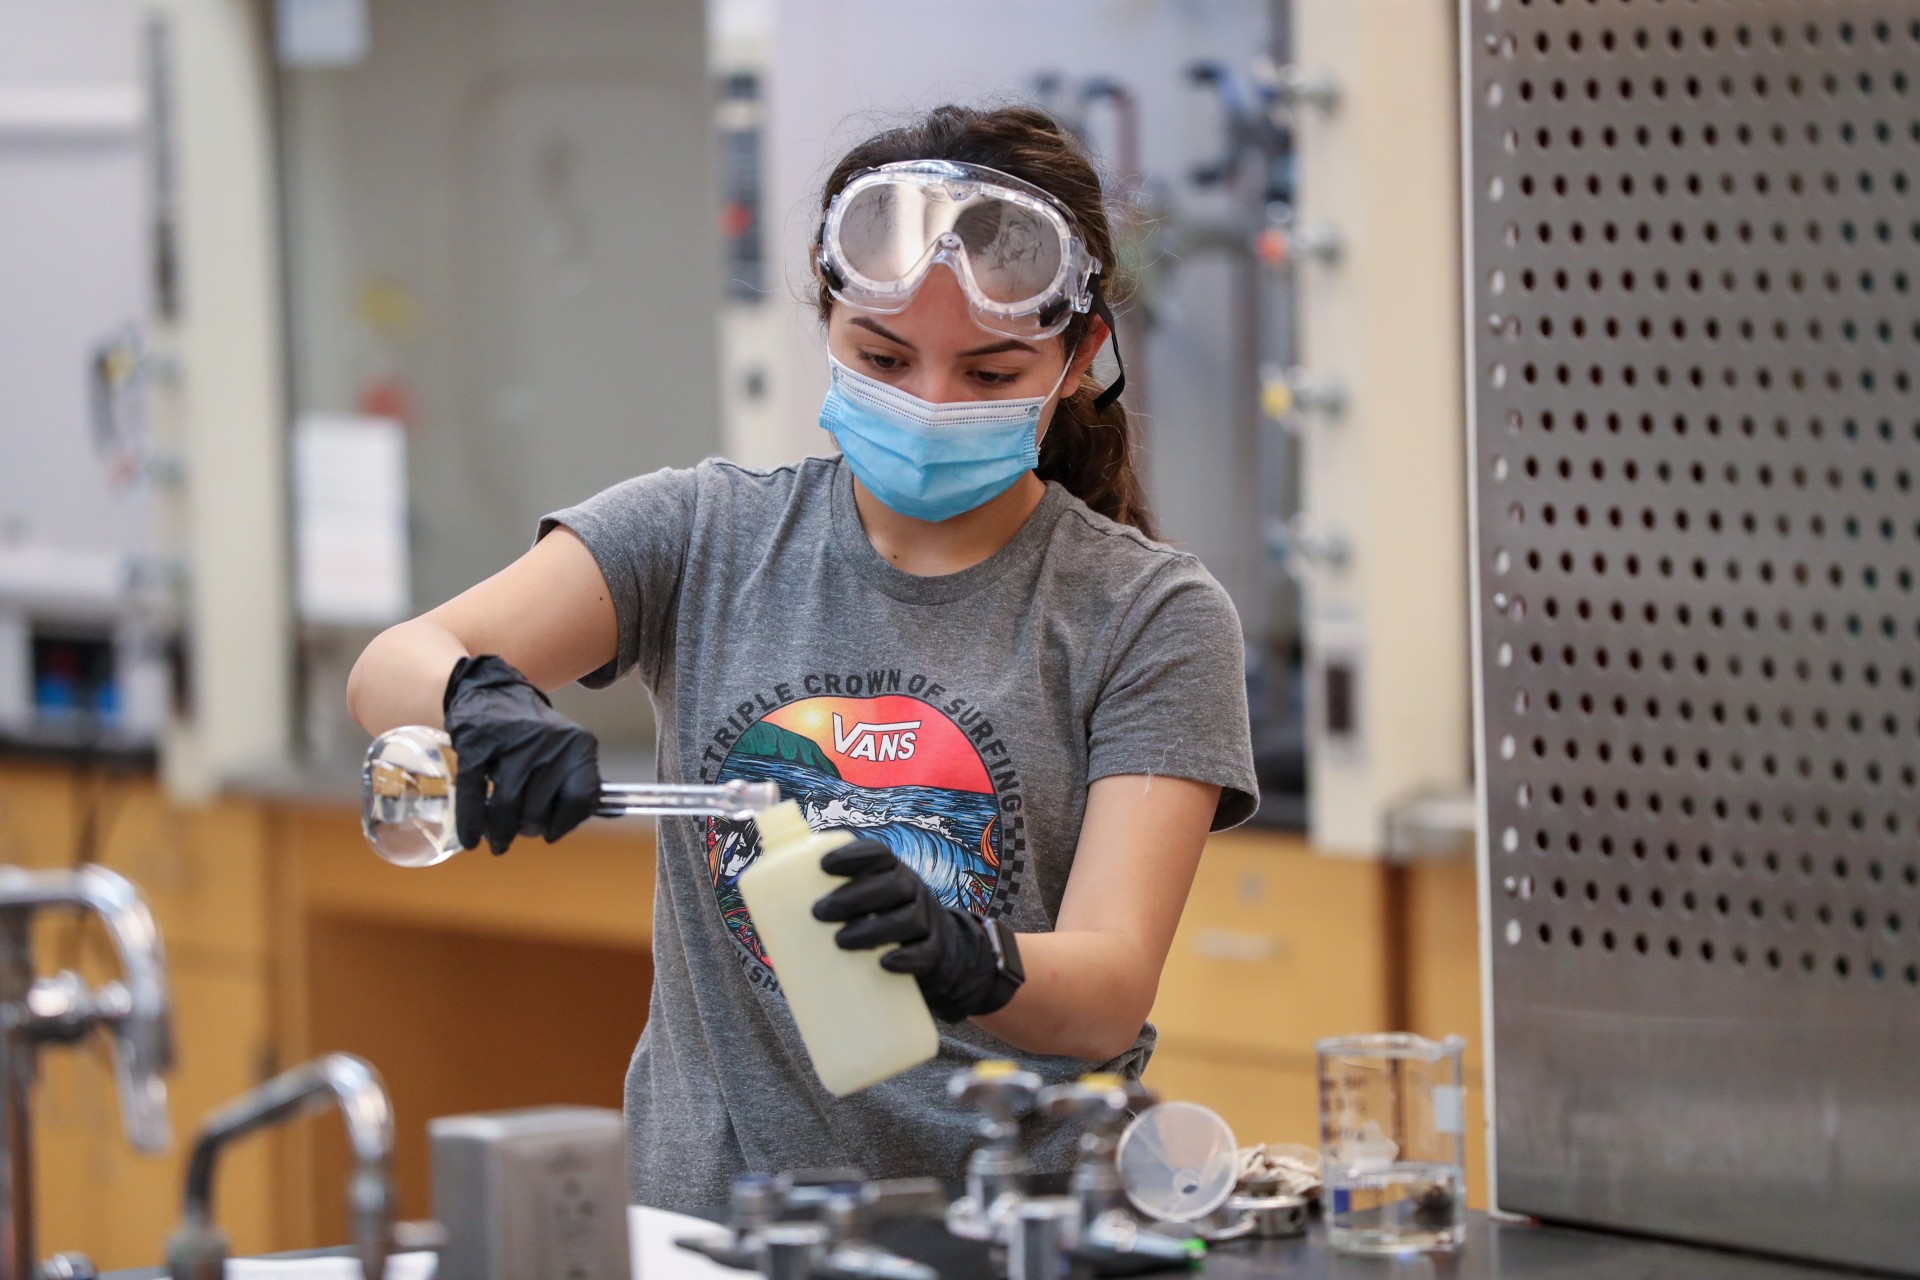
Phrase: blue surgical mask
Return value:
(931, 461)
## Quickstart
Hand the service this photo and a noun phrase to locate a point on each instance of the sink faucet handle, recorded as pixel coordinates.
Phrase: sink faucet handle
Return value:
(143, 1052)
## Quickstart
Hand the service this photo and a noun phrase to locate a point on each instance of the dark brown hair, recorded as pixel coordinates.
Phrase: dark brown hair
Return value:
(1088, 451)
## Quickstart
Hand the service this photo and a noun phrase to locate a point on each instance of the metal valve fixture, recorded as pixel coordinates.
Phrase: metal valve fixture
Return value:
(1285, 394)
(1282, 245)
(1300, 548)
(1295, 86)
(829, 1244)
(997, 1169)
(62, 1009)
(1101, 1104)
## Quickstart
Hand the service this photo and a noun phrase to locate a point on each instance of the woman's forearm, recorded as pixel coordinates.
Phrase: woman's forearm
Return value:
(400, 677)
(549, 613)
(1086, 995)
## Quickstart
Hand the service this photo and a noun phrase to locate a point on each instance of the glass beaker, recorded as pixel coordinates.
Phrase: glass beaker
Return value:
(1393, 1142)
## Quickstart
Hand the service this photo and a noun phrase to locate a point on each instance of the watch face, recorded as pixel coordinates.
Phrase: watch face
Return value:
(1007, 947)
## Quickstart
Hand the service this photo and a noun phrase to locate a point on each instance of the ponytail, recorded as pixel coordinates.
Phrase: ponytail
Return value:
(1090, 452)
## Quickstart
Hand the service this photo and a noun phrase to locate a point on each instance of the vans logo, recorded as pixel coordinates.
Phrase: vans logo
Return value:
(874, 742)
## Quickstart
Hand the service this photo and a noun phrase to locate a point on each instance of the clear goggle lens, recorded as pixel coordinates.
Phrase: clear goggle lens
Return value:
(1023, 268)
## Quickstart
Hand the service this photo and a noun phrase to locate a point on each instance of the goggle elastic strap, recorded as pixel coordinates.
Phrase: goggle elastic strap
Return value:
(1112, 393)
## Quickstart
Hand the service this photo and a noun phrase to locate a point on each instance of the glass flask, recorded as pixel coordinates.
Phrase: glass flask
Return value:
(407, 804)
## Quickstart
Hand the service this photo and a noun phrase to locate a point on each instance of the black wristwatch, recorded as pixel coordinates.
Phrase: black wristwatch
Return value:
(1006, 953)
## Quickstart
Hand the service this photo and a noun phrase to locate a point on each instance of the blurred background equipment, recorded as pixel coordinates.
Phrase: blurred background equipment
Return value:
(84, 621)
(1692, 339)
(1375, 405)
(542, 1191)
(140, 521)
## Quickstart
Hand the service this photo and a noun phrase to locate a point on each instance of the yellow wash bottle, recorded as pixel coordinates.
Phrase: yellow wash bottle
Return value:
(860, 1023)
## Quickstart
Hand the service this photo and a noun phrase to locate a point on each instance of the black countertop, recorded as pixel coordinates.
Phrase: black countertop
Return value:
(1493, 1251)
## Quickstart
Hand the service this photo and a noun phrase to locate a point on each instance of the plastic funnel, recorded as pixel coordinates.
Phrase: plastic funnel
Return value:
(1178, 1162)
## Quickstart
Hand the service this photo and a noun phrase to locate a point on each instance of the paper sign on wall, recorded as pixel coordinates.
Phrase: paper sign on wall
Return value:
(350, 526)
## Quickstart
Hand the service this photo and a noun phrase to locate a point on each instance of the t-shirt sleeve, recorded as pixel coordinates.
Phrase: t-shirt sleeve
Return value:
(1175, 697)
(639, 532)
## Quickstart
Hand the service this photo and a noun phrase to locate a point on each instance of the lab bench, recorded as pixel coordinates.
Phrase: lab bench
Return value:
(489, 983)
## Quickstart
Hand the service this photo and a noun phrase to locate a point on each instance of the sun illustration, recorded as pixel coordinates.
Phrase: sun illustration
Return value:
(891, 768)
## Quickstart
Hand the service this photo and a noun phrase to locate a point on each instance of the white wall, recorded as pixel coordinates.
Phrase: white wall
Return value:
(1390, 474)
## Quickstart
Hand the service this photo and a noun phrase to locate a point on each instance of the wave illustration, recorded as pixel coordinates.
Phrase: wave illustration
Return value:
(948, 837)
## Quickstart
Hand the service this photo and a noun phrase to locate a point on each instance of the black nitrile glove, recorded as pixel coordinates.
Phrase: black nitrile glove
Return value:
(544, 768)
(884, 902)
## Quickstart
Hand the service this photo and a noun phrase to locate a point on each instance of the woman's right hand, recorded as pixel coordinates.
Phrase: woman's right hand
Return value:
(524, 769)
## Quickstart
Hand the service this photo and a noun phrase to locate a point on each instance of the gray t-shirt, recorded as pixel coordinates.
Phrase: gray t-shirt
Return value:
(958, 718)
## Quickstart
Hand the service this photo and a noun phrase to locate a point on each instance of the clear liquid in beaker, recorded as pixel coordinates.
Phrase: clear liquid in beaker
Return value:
(1392, 1142)
(1399, 1209)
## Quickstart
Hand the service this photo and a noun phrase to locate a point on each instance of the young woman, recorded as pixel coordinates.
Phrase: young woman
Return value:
(958, 639)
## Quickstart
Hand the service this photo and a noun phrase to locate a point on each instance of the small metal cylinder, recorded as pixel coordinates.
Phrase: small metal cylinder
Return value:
(1037, 1245)
(791, 1251)
(756, 1199)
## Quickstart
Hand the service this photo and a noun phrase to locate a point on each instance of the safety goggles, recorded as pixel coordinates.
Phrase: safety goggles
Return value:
(1012, 246)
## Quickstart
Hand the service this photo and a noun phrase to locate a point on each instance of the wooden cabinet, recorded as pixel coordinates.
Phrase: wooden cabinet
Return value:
(1261, 1099)
(480, 985)
(1277, 948)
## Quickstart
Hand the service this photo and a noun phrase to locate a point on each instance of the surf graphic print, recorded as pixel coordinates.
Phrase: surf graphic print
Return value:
(893, 768)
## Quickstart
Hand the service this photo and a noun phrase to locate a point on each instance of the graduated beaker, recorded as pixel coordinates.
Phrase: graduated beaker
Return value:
(1393, 1142)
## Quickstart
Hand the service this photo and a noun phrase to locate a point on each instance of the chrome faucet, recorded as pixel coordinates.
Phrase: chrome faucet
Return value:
(62, 1009)
(198, 1250)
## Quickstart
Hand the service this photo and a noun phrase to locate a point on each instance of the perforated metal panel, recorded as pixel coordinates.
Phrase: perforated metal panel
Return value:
(1694, 246)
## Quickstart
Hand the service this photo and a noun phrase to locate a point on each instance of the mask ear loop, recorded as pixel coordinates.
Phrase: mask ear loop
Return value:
(1112, 393)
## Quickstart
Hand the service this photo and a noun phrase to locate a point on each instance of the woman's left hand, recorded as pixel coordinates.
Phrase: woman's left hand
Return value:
(884, 902)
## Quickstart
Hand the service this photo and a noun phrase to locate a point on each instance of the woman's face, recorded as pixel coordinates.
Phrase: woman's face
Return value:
(935, 351)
